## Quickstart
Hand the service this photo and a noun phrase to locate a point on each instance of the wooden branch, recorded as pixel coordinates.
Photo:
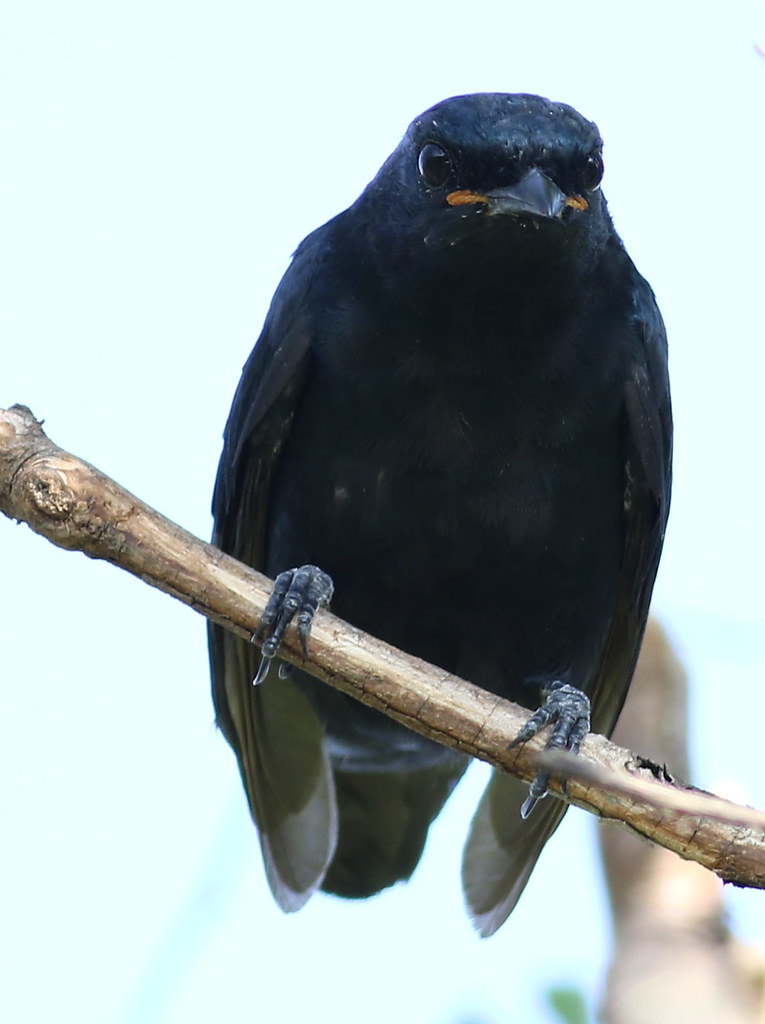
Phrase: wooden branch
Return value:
(77, 507)
(671, 799)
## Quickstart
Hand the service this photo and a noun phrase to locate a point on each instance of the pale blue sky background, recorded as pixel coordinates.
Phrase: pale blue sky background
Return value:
(158, 163)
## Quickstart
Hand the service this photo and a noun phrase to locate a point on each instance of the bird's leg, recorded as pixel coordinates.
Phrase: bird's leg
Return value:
(569, 711)
(297, 592)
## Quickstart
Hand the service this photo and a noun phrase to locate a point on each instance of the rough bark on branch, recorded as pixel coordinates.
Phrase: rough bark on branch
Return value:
(77, 507)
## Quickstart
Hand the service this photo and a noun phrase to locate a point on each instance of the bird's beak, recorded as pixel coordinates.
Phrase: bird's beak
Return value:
(535, 194)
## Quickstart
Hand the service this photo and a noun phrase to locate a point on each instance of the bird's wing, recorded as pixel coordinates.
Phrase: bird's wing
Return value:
(272, 728)
(502, 848)
(646, 426)
(279, 744)
(261, 416)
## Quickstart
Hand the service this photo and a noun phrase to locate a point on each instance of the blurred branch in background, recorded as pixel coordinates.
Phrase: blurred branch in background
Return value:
(77, 507)
(674, 958)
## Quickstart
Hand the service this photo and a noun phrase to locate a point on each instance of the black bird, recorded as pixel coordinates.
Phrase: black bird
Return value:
(459, 410)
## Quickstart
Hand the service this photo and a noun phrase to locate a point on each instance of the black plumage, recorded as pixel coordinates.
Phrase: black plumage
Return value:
(459, 409)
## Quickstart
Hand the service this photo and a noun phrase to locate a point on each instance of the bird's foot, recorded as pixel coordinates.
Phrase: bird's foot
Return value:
(569, 711)
(297, 592)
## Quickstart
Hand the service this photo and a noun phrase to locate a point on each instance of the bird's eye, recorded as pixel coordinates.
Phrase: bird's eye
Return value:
(592, 172)
(434, 165)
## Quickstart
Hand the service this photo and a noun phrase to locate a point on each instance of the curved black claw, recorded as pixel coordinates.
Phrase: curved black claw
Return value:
(569, 711)
(297, 592)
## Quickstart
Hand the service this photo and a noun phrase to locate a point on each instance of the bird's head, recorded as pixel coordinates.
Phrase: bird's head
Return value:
(497, 161)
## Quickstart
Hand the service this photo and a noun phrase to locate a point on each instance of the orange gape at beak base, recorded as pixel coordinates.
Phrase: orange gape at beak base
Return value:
(463, 197)
(576, 202)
